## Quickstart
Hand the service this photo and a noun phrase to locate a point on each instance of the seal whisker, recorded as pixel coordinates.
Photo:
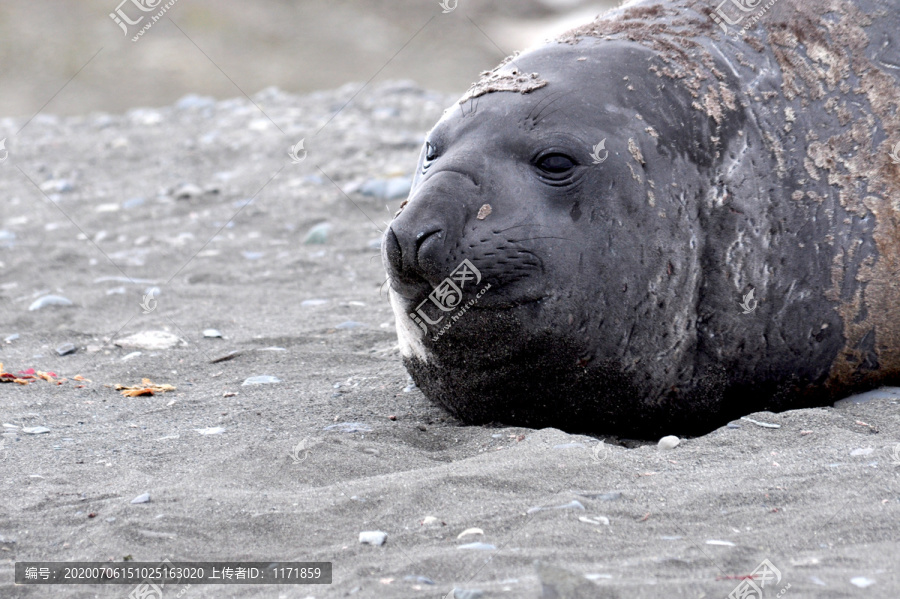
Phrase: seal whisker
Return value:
(538, 106)
(517, 226)
(540, 115)
(543, 115)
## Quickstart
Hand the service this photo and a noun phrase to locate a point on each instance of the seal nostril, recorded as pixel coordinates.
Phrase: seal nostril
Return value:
(423, 236)
(428, 251)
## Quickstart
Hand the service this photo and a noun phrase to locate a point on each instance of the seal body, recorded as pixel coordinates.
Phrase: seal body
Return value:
(660, 221)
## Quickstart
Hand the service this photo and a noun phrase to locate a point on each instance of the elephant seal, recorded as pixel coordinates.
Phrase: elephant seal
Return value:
(660, 221)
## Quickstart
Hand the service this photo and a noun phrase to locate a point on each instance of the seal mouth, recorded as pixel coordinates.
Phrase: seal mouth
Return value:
(483, 305)
(413, 289)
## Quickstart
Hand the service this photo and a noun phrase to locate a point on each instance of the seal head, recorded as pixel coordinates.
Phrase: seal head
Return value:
(608, 232)
(582, 263)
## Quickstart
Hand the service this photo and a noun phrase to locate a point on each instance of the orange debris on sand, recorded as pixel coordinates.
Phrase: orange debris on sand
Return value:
(26, 377)
(6, 377)
(147, 387)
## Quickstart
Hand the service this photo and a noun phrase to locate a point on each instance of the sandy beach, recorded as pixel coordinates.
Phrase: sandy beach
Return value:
(194, 221)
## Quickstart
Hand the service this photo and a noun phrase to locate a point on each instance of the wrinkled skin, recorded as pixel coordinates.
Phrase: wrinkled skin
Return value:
(614, 289)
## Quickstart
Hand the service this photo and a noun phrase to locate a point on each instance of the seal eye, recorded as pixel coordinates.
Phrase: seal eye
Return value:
(430, 155)
(556, 166)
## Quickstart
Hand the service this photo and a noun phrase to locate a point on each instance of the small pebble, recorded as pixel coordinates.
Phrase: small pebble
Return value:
(862, 582)
(862, 451)
(668, 442)
(260, 380)
(229, 356)
(57, 186)
(66, 349)
(212, 334)
(214, 430)
(151, 341)
(49, 300)
(762, 424)
(372, 537)
(11, 338)
(470, 531)
(133, 203)
(187, 191)
(318, 234)
(144, 498)
(35, 430)
(313, 302)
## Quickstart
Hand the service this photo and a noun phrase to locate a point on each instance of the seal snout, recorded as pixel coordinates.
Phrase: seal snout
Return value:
(412, 256)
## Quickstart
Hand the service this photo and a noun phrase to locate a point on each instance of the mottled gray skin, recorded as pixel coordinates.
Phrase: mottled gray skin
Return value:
(735, 164)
